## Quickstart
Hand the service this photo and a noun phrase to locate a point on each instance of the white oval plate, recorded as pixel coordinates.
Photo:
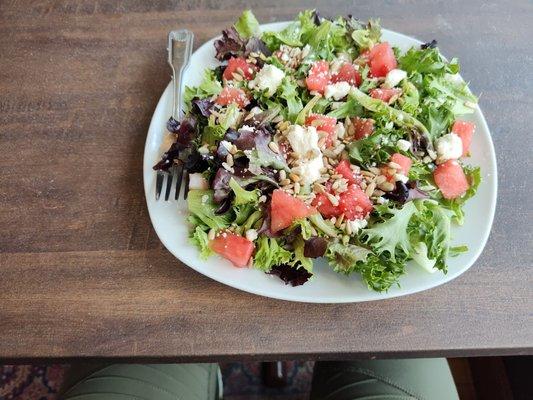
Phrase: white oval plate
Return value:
(170, 218)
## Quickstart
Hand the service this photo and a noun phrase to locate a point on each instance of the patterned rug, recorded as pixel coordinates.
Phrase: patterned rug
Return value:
(241, 381)
(30, 382)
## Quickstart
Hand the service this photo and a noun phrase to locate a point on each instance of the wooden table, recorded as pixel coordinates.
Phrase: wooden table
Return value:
(82, 273)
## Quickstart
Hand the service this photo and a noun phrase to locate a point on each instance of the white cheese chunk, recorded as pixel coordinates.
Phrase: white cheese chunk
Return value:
(337, 90)
(197, 181)
(449, 147)
(357, 224)
(340, 130)
(269, 78)
(304, 141)
(251, 234)
(403, 145)
(394, 77)
(401, 178)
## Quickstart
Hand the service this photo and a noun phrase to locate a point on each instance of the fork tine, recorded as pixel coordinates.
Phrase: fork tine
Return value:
(159, 184)
(178, 182)
(186, 188)
(170, 179)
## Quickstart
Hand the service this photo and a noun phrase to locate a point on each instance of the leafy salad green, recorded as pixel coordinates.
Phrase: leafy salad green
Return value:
(323, 140)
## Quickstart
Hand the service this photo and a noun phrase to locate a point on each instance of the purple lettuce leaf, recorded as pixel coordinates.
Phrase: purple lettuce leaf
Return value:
(294, 275)
(315, 247)
(229, 45)
(403, 193)
(244, 178)
(185, 132)
(256, 141)
(256, 45)
(202, 107)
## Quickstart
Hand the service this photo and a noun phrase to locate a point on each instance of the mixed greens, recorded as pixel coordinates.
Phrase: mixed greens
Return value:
(321, 140)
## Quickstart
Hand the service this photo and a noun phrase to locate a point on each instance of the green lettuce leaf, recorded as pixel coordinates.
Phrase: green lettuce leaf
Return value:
(398, 117)
(299, 258)
(323, 226)
(430, 234)
(199, 239)
(269, 253)
(202, 209)
(209, 87)
(367, 36)
(303, 225)
(245, 202)
(378, 274)
(427, 61)
(289, 36)
(455, 95)
(293, 99)
(247, 25)
(410, 99)
(217, 127)
(391, 235)
(343, 258)
(300, 119)
(350, 108)
(243, 196)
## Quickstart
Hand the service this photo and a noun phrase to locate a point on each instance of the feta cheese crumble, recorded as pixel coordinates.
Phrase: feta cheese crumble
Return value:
(337, 90)
(340, 130)
(394, 77)
(304, 141)
(449, 147)
(403, 145)
(357, 224)
(269, 78)
(251, 234)
(197, 181)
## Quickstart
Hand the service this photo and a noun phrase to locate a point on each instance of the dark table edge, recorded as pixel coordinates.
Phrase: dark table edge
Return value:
(517, 351)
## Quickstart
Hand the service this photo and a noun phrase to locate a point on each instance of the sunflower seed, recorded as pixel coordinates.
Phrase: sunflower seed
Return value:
(294, 177)
(229, 160)
(296, 187)
(274, 147)
(394, 165)
(228, 167)
(348, 228)
(380, 179)
(236, 76)
(374, 170)
(370, 188)
(339, 220)
(318, 188)
(282, 174)
(284, 182)
(386, 186)
(334, 200)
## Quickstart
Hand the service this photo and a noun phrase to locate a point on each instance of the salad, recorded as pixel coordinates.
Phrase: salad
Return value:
(322, 140)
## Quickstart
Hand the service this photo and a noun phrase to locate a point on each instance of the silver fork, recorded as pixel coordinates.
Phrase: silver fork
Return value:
(179, 49)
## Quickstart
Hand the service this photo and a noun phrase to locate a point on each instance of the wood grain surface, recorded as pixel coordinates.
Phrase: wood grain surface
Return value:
(82, 273)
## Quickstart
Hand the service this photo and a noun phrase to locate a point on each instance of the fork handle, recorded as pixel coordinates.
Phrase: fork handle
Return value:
(180, 45)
